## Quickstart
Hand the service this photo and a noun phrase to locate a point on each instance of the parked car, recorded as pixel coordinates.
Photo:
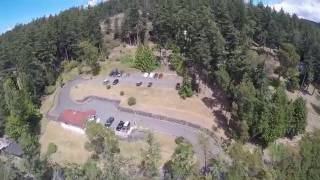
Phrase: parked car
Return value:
(139, 83)
(109, 121)
(151, 75)
(156, 75)
(115, 82)
(106, 81)
(149, 84)
(160, 76)
(120, 126)
(178, 86)
(126, 125)
(145, 75)
(120, 74)
(114, 72)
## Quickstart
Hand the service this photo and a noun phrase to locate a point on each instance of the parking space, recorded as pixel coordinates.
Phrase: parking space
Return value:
(166, 80)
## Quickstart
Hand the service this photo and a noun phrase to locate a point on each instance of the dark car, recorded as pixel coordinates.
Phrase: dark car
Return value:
(139, 83)
(120, 126)
(115, 82)
(149, 84)
(114, 73)
(109, 121)
(156, 76)
(178, 86)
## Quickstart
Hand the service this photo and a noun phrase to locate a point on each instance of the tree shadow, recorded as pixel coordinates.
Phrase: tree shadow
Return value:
(222, 121)
(316, 108)
(210, 102)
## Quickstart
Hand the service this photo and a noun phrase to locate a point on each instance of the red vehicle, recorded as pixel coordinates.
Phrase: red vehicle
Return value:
(160, 76)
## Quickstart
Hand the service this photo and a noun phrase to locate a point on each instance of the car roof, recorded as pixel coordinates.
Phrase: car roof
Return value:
(126, 123)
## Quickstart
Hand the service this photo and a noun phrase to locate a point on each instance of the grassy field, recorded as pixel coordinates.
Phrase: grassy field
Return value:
(132, 150)
(70, 144)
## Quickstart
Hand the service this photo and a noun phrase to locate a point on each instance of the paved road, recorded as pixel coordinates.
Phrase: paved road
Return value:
(106, 109)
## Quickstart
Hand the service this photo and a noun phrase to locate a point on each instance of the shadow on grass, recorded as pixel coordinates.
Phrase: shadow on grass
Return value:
(316, 108)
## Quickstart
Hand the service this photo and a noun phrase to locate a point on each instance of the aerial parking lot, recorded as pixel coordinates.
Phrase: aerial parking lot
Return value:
(160, 98)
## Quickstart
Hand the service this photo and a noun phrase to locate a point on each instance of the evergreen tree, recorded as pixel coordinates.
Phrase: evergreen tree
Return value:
(182, 161)
(89, 55)
(297, 122)
(144, 59)
(151, 157)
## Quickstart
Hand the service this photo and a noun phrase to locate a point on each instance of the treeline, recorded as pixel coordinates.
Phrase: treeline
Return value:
(35, 51)
(106, 162)
(209, 38)
(215, 37)
(32, 54)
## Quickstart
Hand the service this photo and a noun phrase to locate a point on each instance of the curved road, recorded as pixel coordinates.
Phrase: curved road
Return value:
(106, 109)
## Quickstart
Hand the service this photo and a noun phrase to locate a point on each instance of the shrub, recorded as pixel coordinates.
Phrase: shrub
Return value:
(275, 82)
(69, 65)
(95, 156)
(60, 81)
(121, 93)
(52, 148)
(293, 84)
(50, 89)
(178, 63)
(186, 89)
(132, 101)
(108, 86)
(179, 140)
(88, 146)
(85, 69)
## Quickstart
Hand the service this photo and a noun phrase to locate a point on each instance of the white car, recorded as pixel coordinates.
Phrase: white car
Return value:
(126, 125)
(151, 75)
(106, 81)
(145, 75)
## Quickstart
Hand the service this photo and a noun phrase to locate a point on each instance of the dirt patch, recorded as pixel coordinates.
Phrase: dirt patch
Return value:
(162, 101)
(70, 144)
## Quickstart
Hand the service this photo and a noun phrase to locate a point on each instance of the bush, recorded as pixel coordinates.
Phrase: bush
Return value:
(293, 84)
(179, 140)
(186, 89)
(178, 63)
(69, 65)
(60, 81)
(50, 89)
(121, 93)
(52, 148)
(132, 101)
(108, 86)
(275, 82)
(88, 146)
